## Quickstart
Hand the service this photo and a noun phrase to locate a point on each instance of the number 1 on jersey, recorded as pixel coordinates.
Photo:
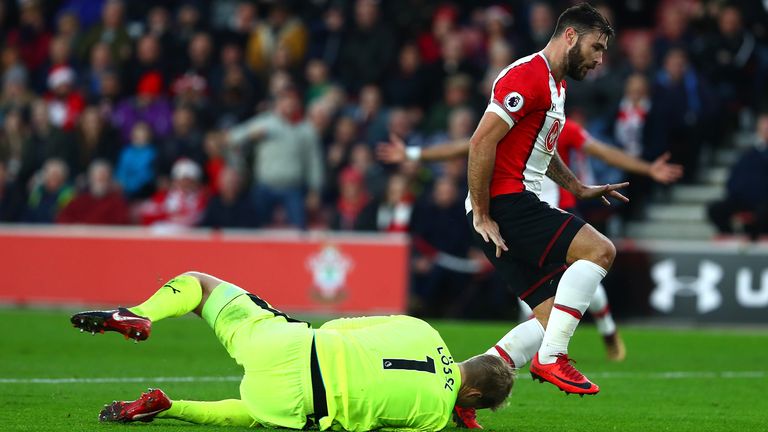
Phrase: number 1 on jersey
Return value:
(427, 365)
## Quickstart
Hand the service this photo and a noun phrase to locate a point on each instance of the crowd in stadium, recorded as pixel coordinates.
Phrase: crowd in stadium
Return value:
(263, 114)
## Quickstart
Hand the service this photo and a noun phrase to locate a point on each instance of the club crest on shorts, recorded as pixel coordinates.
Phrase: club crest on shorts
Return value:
(552, 135)
(513, 102)
(329, 269)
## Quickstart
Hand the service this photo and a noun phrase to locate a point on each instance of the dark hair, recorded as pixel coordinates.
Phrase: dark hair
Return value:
(583, 18)
(492, 376)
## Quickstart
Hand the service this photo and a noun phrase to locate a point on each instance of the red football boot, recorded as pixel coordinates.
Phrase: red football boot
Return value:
(143, 409)
(466, 418)
(562, 374)
(120, 320)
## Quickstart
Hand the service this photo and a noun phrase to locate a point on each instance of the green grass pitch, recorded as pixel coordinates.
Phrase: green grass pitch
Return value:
(672, 380)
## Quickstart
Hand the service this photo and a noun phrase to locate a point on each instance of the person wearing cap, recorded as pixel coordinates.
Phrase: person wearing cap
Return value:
(181, 205)
(64, 103)
(149, 106)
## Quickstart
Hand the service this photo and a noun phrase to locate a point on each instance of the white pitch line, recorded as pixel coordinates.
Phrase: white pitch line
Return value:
(235, 378)
(109, 380)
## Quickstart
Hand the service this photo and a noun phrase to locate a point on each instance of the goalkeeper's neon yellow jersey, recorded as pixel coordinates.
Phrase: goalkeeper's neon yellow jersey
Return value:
(389, 372)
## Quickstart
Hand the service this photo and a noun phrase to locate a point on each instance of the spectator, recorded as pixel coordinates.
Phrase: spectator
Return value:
(199, 57)
(187, 25)
(747, 189)
(728, 59)
(159, 26)
(64, 102)
(148, 59)
(677, 113)
(16, 95)
(339, 150)
(288, 159)
(281, 30)
(101, 203)
(452, 62)
(51, 194)
(392, 213)
(97, 140)
(100, 64)
(12, 144)
(353, 198)
(236, 88)
(367, 50)
(374, 177)
(673, 31)
(370, 115)
(181, 205)
(185, 141)
(31, 38)
(213, 146)
(45, 142)
(110, 30)
(317, 80)
(438, 244)
(11, 198)
(107, 95)
(136, 166)
(541, 24)
(59, 54)
(456, 95)
(230, 207)
(443, 24)
(328, 36)
(631, 116)
(409, 84)
(148, 106)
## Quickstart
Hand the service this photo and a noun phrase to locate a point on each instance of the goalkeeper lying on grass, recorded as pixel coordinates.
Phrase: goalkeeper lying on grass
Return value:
(391, 372)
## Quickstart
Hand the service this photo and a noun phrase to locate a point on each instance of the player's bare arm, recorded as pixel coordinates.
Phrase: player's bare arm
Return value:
(482, 155)
(395, 151)
(659, 170)
(564, 177)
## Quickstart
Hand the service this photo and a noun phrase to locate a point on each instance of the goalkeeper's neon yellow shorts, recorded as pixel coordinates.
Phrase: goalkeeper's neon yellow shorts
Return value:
(273, 350)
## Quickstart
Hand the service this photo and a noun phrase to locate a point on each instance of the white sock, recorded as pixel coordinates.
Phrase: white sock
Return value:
(524, 311)
(574, 292)
(601, 312)
(520, 344)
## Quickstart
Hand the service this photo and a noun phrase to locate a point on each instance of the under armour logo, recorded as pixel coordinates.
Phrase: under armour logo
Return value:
(704, 287)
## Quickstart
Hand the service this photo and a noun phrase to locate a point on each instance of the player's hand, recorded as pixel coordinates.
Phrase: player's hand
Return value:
(489, 229)
(603, 192)
(392, 152)
(663, 172)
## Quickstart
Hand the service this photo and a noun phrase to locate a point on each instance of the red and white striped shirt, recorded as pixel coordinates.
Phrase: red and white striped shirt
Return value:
(526, 96)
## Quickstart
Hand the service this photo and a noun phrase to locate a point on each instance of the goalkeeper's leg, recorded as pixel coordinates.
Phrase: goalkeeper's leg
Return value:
(156, 404)
(183, 294)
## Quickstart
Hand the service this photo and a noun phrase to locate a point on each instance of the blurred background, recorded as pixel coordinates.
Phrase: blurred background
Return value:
(238, 136)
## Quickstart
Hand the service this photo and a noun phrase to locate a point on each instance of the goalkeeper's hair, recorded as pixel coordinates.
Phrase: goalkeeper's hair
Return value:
(492, 376)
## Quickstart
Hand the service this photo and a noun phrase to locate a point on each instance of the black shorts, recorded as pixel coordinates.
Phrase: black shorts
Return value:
(537, 236)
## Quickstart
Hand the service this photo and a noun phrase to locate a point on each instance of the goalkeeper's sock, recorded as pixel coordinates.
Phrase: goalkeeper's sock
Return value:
(229, 412)
(520, 344)
(601, 312)
(177, 297)
(574, 292)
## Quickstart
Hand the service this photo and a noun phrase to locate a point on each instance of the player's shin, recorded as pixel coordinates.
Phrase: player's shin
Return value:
(177, 297)
(574, 293)
(521, 343)
(601, 312)
(229, 412)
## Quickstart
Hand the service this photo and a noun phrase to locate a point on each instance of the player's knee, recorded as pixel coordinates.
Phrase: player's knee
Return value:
(604, 254)
(205, 283)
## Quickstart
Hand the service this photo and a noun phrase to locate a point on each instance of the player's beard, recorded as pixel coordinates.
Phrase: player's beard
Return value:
(577, 64)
